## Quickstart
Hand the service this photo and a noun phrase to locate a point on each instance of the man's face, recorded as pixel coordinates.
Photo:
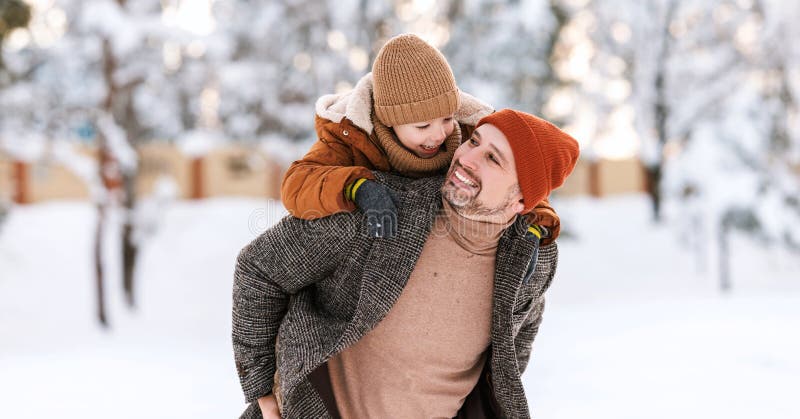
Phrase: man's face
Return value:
(482, 181)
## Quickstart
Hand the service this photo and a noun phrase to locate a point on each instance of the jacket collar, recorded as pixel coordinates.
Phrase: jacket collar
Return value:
(356, 105)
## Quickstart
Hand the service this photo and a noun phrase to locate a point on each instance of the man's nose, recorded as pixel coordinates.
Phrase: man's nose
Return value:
(469, 159)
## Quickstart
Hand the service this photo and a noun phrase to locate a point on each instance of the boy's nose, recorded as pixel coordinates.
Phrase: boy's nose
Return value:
(440, 134)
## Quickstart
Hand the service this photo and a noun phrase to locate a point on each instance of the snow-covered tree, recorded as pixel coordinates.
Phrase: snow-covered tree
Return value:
(711, 81)
(708, 88)
(735, 167)
(83, 83)
(13, 14)
(679, 62)
(270, 61)
(501, 51)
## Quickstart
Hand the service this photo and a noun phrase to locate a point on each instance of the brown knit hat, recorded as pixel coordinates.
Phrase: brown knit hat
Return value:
(412, 82)
(544, 155)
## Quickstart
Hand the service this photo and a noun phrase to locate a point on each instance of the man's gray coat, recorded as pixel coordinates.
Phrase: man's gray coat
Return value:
(318, 286)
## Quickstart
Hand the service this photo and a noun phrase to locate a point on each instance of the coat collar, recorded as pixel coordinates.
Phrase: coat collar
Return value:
(356, 105)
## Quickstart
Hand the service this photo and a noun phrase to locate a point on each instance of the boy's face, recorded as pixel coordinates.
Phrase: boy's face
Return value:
(425, 138)
(482, 181)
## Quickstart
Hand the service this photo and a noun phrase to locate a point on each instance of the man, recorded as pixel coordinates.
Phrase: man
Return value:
(436, 322)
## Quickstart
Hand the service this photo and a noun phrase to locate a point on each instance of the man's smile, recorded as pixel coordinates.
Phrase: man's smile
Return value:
(462, 179)
(465, 179)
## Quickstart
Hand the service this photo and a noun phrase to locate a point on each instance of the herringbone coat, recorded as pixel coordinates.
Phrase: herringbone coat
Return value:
(318, 286)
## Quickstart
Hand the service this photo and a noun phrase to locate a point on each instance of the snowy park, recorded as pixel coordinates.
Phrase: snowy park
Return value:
(633, 329)
(143, 144)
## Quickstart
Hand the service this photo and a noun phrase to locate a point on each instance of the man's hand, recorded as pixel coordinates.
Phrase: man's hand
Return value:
(379, 205)
(269, 407)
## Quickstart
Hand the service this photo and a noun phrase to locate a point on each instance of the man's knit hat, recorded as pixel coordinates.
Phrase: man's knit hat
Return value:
(412, 82)
(544, 154)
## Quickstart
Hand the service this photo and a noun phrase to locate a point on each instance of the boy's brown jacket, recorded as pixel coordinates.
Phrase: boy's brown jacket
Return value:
(347, 149)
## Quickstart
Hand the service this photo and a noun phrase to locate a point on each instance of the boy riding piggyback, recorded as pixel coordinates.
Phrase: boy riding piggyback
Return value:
(407, 117)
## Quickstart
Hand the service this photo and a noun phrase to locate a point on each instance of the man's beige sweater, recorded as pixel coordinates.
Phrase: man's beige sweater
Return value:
(426, 355)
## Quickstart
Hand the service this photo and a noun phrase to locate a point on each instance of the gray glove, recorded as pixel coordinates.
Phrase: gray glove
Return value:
(379, 204)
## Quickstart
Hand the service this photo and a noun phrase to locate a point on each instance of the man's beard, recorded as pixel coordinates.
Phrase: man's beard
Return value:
(466, 202)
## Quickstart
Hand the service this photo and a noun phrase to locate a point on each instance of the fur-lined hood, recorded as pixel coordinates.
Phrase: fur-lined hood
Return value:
(356, 105)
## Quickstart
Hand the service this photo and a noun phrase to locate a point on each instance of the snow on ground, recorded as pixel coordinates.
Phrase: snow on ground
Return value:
(171, 358)
(633, 328)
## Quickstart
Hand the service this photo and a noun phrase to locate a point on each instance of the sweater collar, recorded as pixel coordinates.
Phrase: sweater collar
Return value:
(476, 237)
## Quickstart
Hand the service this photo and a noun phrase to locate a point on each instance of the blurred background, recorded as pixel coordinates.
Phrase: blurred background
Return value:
(142, 144)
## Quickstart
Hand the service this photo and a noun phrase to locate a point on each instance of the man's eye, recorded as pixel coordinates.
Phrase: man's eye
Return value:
(472, 141)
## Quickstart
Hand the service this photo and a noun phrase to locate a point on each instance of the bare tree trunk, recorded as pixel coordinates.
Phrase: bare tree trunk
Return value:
(106, 170)
(129, 248)
(653, 182)
(106, 167)
(654, 169)
(780, 140)
(120, 98)
(98, 264)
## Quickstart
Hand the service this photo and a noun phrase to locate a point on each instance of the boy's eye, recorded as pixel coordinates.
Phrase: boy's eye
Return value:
(472, 141)
(423, 126)
(448, 119)
(493, 159)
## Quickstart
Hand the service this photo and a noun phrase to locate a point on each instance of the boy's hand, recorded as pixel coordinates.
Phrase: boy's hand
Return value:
(379, 205)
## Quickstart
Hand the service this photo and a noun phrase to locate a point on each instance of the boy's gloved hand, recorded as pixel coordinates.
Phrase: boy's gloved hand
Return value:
(539, 233)
(379, 205)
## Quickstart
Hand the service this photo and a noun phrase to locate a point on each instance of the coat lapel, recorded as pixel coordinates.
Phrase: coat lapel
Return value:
(390, 263)
(514, 252)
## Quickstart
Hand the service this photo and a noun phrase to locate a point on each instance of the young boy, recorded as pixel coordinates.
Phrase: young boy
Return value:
(406, 117)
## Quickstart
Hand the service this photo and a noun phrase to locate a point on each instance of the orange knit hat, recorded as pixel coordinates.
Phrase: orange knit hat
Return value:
(544, 154)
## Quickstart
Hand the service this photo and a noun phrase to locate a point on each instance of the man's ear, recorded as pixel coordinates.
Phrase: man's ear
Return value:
(518, 207)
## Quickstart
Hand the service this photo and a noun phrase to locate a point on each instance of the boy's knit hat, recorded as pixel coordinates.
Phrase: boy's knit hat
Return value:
(544, 154)
(412, 82)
